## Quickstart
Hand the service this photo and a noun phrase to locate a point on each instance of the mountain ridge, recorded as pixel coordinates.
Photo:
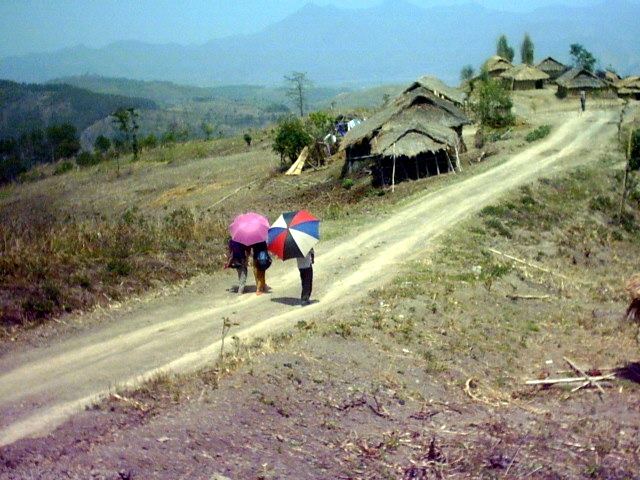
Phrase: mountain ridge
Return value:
(385, 43)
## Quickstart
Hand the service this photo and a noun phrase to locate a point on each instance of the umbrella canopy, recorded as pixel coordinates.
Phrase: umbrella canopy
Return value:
(294, 234)
(249, 228)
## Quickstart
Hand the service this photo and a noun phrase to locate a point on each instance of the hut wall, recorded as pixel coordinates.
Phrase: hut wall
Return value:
(422, 166)
(591, 92)
(357, 157)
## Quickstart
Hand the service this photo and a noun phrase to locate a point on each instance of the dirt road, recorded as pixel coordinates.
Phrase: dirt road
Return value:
(40, 389)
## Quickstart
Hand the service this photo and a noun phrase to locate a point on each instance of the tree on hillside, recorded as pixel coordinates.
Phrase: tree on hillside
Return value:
(467, 73)
(102, 144)
(527, 50)
(503, 49)
(63, 141)
(126, 120)
(582, 58)
(492, 104)
(208, 129)
(291, 138)
(298, 85)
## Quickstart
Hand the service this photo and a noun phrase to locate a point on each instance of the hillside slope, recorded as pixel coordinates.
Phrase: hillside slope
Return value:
(24, 107)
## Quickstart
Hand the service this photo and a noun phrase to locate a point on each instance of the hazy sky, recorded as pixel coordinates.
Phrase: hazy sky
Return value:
(38, 25)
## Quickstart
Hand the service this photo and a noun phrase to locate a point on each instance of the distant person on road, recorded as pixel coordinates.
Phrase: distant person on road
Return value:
(305, 265)
(583, 100)
(261, 262)
(237, 258)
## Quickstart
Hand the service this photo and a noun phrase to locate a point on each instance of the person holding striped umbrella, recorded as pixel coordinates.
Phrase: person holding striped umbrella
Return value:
(294, 235)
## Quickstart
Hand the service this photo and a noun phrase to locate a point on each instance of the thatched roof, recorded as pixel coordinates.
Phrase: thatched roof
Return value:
(550, 64)
(435, 114)
(610, 76)
(524, 72)
(577, 78)
(413, 132)
(439, 89)
(628, 86)
(497, 64)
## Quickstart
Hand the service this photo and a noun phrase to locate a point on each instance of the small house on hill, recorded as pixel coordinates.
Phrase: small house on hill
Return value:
(552, 67)
(628, 88)
(440, 89)
(524, 77)
(418, 132)
(576, 80)
(496, 66)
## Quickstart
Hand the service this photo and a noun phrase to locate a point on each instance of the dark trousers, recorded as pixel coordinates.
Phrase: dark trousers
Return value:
(306, 278)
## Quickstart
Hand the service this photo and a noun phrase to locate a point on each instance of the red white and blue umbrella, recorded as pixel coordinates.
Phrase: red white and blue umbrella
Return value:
(249, 228)
(294, 234)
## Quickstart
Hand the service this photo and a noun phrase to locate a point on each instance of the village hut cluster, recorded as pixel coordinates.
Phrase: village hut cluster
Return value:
(568, 81)
(416, 135)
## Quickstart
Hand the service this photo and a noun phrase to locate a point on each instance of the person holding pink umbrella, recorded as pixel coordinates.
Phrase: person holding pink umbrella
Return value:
(247, 231)
(237, 258)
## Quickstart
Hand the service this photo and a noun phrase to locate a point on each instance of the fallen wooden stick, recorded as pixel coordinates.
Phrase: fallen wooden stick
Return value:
(528, 264)
(554, 381)
(528, 297)
(579, 371)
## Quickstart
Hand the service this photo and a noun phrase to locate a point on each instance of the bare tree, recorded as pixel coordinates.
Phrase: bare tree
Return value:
(297, 86)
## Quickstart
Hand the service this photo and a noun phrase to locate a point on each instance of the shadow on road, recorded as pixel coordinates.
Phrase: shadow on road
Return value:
(291, 301)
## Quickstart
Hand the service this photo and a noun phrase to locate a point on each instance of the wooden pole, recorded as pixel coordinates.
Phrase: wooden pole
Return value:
(393, 171)
(623, 202)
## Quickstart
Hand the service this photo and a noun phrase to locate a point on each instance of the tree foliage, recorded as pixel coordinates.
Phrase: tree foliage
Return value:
(492, 103)
(503, 49)
(298, 85)
(291, 137)
(63, 141)
(527, 50)
(319, 124)
(467, 73)
(126, 120)
(102, 144)
(582, 58)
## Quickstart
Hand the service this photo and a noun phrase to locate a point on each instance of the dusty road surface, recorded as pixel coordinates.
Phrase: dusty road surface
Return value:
(39, 389)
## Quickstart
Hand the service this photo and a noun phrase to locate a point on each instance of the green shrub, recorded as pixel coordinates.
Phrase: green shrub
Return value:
(291, 137)
(601, 203)
(63, 167)
(348, 184)
(492, 104)
(119, 266)
(86, 159)
(539, 133)
(497, 226)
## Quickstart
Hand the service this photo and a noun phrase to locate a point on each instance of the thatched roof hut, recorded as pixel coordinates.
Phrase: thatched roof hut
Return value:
(496, 66)
(419, 130)
(611, 77)
(439, 89)
(628, 87)
(552, 67)
(524, 77)
(576, 80)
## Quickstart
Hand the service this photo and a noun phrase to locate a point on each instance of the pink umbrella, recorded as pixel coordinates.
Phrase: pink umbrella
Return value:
(249, 228)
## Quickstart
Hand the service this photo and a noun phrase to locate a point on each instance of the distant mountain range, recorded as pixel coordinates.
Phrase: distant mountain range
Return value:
(393, 42)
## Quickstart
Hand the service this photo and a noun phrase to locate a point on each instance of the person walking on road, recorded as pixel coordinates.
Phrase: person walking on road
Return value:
(261, 262)
(583, 100)
(238, 260)
(305, 265)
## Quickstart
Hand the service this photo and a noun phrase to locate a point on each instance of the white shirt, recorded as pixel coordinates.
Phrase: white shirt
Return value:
(304, 262)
